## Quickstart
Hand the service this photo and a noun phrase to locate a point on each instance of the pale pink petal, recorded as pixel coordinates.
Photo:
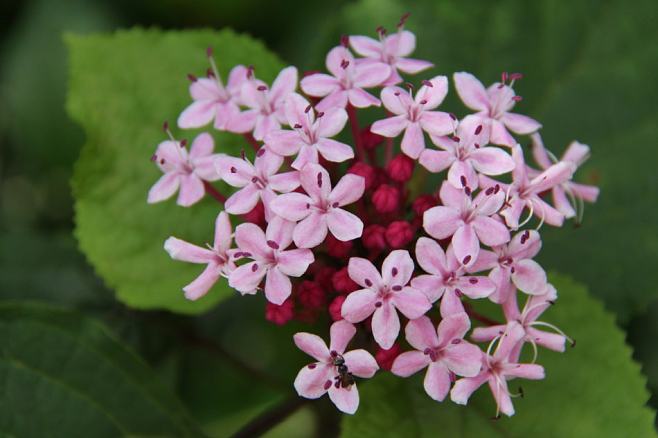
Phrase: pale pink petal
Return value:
(488, 203)
(284, 182)
(361, 363)
(491, 161)
(513, 212)
(242, 122)
(452, 327)
(291, 206)
(441, 222)
(514, 333)
(315, 181)
(250, 238)
(359, 305)
(164, 188)
(462, 172)
(396, 100)
(295, 262)
(202, 146)
(284, 84)
(246, 278)
(526, 371)
(361, 99)
(205, 168)
(562, 202)
(340, 333)
(170, 155)
(311, 231)
(310, 381)
(411, 303)
(500, 135)
(413, 141)
(390, 127)
(430, 256)
(501, 395)
(222, 241)
(529, 276)
(335, 59)
(333, 150)
(520, 124)
(552, 341)
(528, 249)
(244, 200)
(437, 381)
(284, 142)
(234, 171)
(296, 111)
(191, 190)
(463, 359)
(344, 225)
(486, 334)
(421, 334)
(431, 285)
(397, 268)
(372, 74)
(365, 46)
(453, 197)
(490, 231)
(331, 123)
(202, 284)
(401, 43)
(385, 325)
(466, 244)
(186, 252)
(277, 286)
(198, 114)
(463, 388)
(345, 399)
(237, 76)
(434, 95)
(364, 273)
(586, 192)
(451, 304)
(279, 231)
(205, 89)
(475, 287)
(336, 99)
(349, 189)
(554, 175)
(486, 260)
(307, 154)
(319, 84)
(546, 212)
(313, 345)
(436, 161)
(409, 363)
(437, 123)
(412, 66)
(471, 91)
(264, 125)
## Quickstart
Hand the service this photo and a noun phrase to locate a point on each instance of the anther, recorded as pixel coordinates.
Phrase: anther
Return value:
(455, 341)
(165, 126)
(378, 304)
(234, 170)
(209, 51)
(409, 85)
(162, 161)
(397, 288)
(319, 177)
(473, 280)
(525, 236)
(154, 157)
(517, 98)
(311, 366)
(210, 73)
(467, 190)
(423, 102)
(478, 130)
(462, 179)
(191, 77)
(368, 282)
(335, 205)
(297, 126)
(452, 116)
(320, 114)
(260, 152)
(183, 143)
(272, 244)
(327, 384)
(456, 139)
(344, 41)
(344, 64)
(262, 88)
(254, 267)
(394, 271)
(427, 83)
(489, 191)
(307, 109)
(466, 260)
(459, 292)
(250, 71)
(403, 19)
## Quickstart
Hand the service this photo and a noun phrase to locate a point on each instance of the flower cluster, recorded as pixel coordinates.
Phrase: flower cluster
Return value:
(401, 226)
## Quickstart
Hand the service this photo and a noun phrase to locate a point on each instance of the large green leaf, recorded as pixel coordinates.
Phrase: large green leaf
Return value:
(594, 389)
(122, 87)
(589, 69)
(63, 374)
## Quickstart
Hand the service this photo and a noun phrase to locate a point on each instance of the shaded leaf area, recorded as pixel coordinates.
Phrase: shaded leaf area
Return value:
(588, 73)
(594, 389)
(65, 373)
(642, 333)
(122, 87)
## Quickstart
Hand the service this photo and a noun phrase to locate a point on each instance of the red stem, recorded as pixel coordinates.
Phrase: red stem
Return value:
(354, 124)
(214, 192)
(478, 316)
(252, 141)
(388, 154)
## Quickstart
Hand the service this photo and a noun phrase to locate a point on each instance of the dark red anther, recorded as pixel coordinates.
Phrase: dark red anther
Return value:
(254, 267)
(344, 64)
(250, 71)
(260, 152)
(452, 116)
(307, 109)
(209, 51)
(154, 157)
(397, 288)
(261, 88)
(368, 282)
(512, 270)
(427, 83)
(297, 126)
(394, 271)
(477, 145)
(327, 384)
(162, 161)
(210, 73)
(397, 93)
(517, 98)
(311, 366)
(409, 85)
(456, 139)
(378, 304)
(320, 114)
(516, 76)
(462, 179)
(525, 236)
(478, 130)
(234, 170)
(423, 102)
(335, 205)
(381, 31)
(319, 177)
(468, 191)
(165, 126)
(466, 260)
(254, 179)
(403, 19)
(496, 188)
(344, 41)
(272, 244)
(455, 341)
(473, 280)
(459, 292)
(489, 191)
(183, 143)
(191, 77)
(243, 155)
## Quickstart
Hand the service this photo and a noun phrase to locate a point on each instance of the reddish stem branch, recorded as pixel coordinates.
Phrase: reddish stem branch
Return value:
(252, 141)
(478, 316)
(354, 124)
(214, 192)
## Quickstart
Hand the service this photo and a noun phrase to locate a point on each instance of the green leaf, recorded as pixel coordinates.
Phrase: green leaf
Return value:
(588, 76)
(594, 389)
(122, 87)
(65, 374)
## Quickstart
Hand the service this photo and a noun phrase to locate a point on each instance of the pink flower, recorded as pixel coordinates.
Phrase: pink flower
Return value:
(413, 116)
(217, 258)
(257, 181)
(442, 351)
(334, 370)
(576, 153)
(270, 259)
(391, 50)
(512, 266)
(214, 101)
(493, 106)
(496, 370)
(469, 222)
(347, 83)
(383, 295)
(466, 154)
(533, 308)
(183, 170)
(446, 273)
(525, 193)
(310, 135)
(319, 209)
(266, 105)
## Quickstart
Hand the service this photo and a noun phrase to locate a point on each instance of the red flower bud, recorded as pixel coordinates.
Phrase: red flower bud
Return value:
(256, 215)
(385, 358)
(337, 248)
(422, 204)
(399, 234)
(336, 306)
(310, 295)
(369, 139)
(400, 168)
(280, 315)
(322, 275)
(342, 282)
(374, 237)
(386, 199)
(366, 171)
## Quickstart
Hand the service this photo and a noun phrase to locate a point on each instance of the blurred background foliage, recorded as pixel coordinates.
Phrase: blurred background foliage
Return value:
(587, 61)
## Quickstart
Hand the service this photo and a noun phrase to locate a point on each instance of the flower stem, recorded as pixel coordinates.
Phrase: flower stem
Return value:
(478, 316)
(354, 124)
(270, 418)
(214, 192)
(252, 141)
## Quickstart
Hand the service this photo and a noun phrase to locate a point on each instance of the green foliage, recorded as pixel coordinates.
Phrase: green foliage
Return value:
(594, 389)
(122, 87)
(588, 72)
(65, 373)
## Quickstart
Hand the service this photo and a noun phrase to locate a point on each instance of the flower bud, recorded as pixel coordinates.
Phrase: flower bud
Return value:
(280, 315)
(400, 168)
(337, 248)
(336, 306)
(322, 275)
(256, 215)
(386, 199)
(342, 282)
(385, 358)
(422, 204)
(374, 237)
(310, 295)
(366, 171)
(369, 139)
(399, 234)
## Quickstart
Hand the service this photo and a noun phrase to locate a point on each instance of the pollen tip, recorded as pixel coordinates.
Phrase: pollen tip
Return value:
(191, 77)
(344, 41)
(209, 51)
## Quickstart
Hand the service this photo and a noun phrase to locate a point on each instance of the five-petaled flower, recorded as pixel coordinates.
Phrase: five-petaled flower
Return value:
(183, 170)
(415, 115)
(319, 210)
(335, 369)
(217, 257)
(270, 259)
(383, 295)
(310, 136)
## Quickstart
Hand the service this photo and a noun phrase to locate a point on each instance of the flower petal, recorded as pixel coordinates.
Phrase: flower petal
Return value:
(319, 84)
(331, 123)
(491, 161)
(452, 327)
(311, 231)
(490, 231)
(186, 252)
(471, 91)
(284, 182)
(284, 142)
(295, 262)
(315, 181)
(529, 276)
(364, 273)
(431, 285)
(284, 84)
(310, 381)
(421, 334)
(520, 124)
(191, 190)
(244, 200)
(199, 113)
(202, 284)
(313, 345)
(371, 74)
(437, 381)
(412, 66)
(223, 231)
(333, 150)
(441, 222)
(463, 388)
(292, 206)
(366, 46)
(475, 287)
(500, 135)
(250, 238)
(409, 363)
(436, 161)
(361, 363)
(349, 189)
(466, 245)
(397, 268)
(433, 95)
(344, 225)
(437, 123)
(164, 188)
(463, 359)
(361, 99)
(341, 333)
(430, 256)
(345, 399)
(246, 278)
(390, 127)
(385, 325)
(359, 305)
(396, 100)
(236, 172)
(277, 286)
(413, 141)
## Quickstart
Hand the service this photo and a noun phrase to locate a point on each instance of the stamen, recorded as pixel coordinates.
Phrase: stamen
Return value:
(344, 64)
(298, 126)
(403, 20)
(272, 244)
(378, 304)
(319, 178)
(517, 98)
(554, 328)
(261, 88)
(254, 267)
(191, 77)
(311, 366)
(394, 271)
(455, 341)
(320, 114)
(462, 179)
(397, 288)
(489, 191)
(344, 40)
(307, 109)
(478, 130)
(154, 157)
(260, 152)
(427, 83)
(452, 116)
(233, 169)
(368, 282)
(327, 384)
(525, 236)
(466, 260)
(473, 280)
(250, 72)
(467, 190)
